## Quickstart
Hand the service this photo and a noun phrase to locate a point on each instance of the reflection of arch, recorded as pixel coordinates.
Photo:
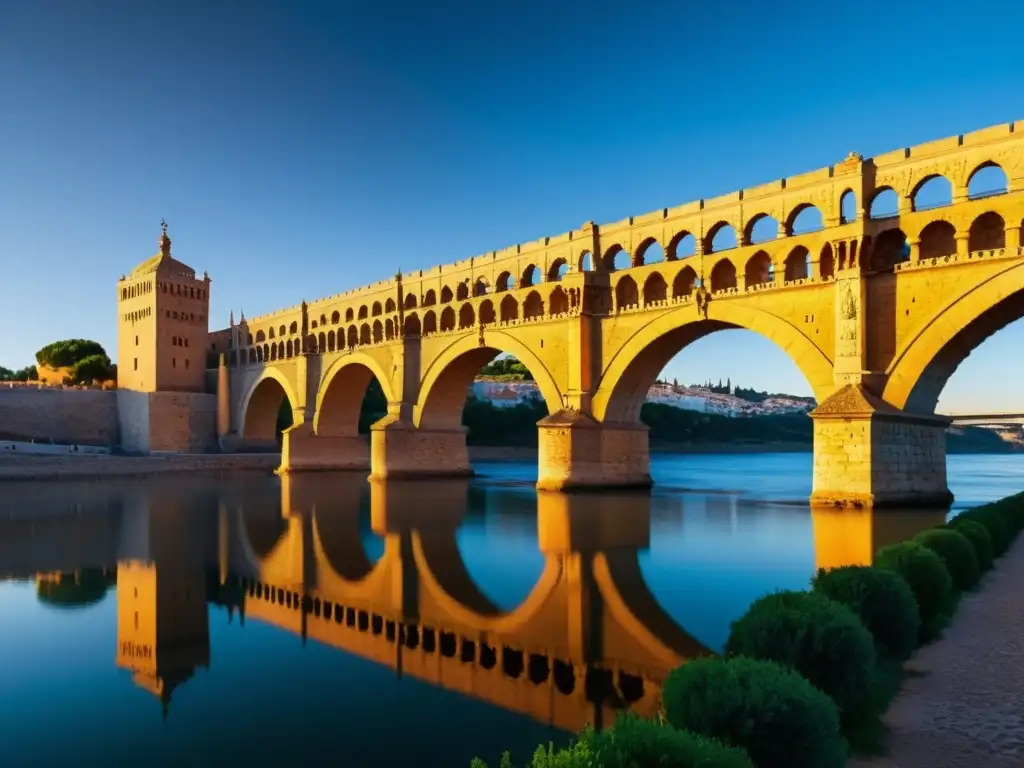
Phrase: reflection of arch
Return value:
(340, 396)
(446, 381)
(853, 536)
(627, 378)
(261, 404)
(262, 529)
(920, 371)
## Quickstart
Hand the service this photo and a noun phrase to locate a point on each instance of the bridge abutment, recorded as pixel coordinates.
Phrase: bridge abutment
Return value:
(868, 453)
(401, 450)
(575, 451)
(304, 451)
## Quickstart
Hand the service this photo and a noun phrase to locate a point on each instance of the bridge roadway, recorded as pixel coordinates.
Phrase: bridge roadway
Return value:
(985, 419)
(588, 639)
(877, 307)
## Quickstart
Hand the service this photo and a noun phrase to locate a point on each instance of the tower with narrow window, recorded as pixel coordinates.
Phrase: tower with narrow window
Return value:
(163, 325)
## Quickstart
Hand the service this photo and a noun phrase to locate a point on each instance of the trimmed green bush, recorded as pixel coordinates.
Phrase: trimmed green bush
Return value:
(821, 639)
(636, 743)
(881, 599)
(777, 716)
(956, 554)
(924, 572)
(977, 534)
(994, 522)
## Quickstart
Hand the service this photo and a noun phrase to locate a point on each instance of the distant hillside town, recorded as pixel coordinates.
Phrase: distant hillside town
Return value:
(507, 383)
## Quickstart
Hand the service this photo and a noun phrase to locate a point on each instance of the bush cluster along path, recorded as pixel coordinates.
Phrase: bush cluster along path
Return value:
(962, 701)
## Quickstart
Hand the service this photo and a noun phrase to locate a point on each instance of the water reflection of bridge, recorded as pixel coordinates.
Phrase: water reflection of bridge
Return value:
(589, 637)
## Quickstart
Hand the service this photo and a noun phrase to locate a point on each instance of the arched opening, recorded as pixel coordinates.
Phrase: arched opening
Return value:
(938, 239)
(378, 332)
(268, 412)
(684, 282)
(467, 317)
(446, 295)
(448, 319)
(723, 276)
(616, 258)
(932, 192)
(462, 292)
(322, 342)
(762, 228)
(798, 264)
(558, 269)
(412, 324)
(429, 323)
(649, 252)
(655, 288)
(721, 237)
(988, 232)
(827, 261)
(389, 306)
(480, 287)
(350, 402)
(884, 204)
(353, 337)
(344, 530)
(409, 302)
(848, 207)
(509, 309)
(429, 298)
(487, 316)
(363, 312)
(804, 219)
(349, 315)
(626, 294)
(890, 248)
(389, 329)
(759, 270)
(987, 180)
(558, 302)
(529, 277)
(533, 306)
(504, 282)
(364, 334)
(683, 244)
(586, 262)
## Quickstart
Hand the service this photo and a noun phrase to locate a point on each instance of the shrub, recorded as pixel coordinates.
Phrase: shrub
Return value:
(89, 369)
(978, 535)
(924, 572)
(64, 354)
(637, 743)
(776, 715)
(994, 523)
(882, 599)
(821, 639)
(956, 554)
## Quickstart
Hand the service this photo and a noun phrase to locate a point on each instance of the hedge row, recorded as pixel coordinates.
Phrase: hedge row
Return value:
(799, 666)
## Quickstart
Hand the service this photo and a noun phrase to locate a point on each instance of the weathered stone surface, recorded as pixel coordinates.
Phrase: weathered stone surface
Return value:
(83, 416)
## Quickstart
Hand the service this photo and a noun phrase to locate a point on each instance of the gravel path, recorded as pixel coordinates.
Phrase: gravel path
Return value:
(962, 705)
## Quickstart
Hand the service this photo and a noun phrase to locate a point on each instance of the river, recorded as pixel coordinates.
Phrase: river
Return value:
(326, 620)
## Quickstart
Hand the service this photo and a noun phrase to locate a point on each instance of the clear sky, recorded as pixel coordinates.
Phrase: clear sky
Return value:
(302, 148)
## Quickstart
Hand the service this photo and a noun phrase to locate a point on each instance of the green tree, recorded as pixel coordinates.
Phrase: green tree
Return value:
(89, 369)
(61, 354)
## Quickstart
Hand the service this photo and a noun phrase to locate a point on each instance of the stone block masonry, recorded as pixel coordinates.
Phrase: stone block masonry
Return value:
(67, 416)
(167, 422)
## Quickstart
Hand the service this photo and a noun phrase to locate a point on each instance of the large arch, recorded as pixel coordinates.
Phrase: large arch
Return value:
(918, 374)
(340, 396)
(445, 383)
(261, 404)
(627, 378)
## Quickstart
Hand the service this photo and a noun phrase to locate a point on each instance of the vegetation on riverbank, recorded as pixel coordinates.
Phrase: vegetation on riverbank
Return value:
(807, 676)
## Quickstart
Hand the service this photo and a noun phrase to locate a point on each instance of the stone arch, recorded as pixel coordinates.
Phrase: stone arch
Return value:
(261, 404)
(509, 309)
(364, 334)
(533, 306)
(616, 258)
(353, 336)
(585, 262)
(378, 332)
(481, 287)
(938, 238)
(655, 288)
(349, 315)
(363, 312)
(558, 301)
(683, 244)
(626, 293)
(409, 302)
(935, 191)
(798, 264)
(826, 260)
(627, 378)
(987, 180)
(262, 531)
(529, 276)
(723, 276)
(412, 324)
(446, 295)
(429, 323)
(487, 316)
(467, 317)
(987, 232)
(322, 342)
(389, 329)
(447, 379)
(884, 203)
(760, 228)
(804, 218)
(921, 369)
(648, 252)
(461, 292)
(448, 319)
(684, 283)
(429, 298)
(890, 248)
(504, 282)
(759, 270)
(339, 397)
(557, 270)
(720, 227)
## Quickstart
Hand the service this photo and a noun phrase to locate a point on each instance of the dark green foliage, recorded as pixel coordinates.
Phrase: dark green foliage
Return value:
(90, 369)
(994, 522)
(882, 599)
(80, 590)
(670, 424)
(777, 716)
(28, 373)
(285, 418)
(636, 743)
(492, 425)
(979, 537)
(821, 639)
(956, 554)
(66, 353)
(924, 572)
(374, 408)
(507, 368)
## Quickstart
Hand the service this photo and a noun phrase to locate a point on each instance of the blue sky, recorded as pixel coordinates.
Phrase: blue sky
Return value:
(300, 149)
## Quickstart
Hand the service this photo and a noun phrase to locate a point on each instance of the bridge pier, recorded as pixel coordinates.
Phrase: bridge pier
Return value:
(304, 451)
(401, 450)
(575, 452)
(868, 453)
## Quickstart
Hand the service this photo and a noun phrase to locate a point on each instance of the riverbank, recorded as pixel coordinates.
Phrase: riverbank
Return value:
(83, 467)
(960, 704)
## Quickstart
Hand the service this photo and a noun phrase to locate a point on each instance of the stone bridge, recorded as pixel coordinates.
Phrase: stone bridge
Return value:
(876, 306)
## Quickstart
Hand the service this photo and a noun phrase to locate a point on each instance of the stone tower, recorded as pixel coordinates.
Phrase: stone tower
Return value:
(163, 325)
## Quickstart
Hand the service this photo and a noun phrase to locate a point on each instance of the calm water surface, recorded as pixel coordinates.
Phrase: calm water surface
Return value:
(327, 620)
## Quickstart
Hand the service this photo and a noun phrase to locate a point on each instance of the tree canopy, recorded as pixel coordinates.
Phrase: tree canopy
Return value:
(64, 354)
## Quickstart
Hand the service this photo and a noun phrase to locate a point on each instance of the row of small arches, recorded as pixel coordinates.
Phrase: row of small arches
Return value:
(134, 291)
(936, 191)
(139, 314)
